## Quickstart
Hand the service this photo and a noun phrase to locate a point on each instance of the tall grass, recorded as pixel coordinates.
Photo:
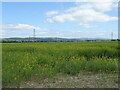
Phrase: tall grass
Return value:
(23, 61)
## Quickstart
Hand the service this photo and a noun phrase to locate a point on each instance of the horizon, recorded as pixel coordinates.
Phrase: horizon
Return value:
(54, 37)
(60, 19)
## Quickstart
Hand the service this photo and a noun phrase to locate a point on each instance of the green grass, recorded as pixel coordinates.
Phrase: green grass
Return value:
(23, 61)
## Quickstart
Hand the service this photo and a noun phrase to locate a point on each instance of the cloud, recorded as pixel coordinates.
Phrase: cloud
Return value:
(19, 30)
(62, 18)
(91, 34)
(20, 26)
(86, 25)
(103, 6)
(51, 13)
(83, 15)
(86, 12)
(98, 6)
(14, 30)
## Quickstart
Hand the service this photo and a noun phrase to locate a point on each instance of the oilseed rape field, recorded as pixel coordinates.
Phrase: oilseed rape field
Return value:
(23, 61)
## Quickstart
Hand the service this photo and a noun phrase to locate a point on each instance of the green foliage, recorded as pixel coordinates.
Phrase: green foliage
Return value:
(24, 61)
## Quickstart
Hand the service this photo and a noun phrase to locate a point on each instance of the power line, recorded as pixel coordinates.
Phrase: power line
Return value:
(111, 35)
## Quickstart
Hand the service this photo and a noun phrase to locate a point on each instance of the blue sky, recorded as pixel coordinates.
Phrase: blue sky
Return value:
(60, 19)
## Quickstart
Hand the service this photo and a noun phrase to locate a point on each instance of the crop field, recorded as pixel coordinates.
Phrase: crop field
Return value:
(25, 61)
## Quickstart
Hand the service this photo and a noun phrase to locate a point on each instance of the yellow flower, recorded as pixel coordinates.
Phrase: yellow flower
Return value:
(15, 78)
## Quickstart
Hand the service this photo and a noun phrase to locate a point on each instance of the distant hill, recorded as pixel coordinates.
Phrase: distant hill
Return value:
(50, 39)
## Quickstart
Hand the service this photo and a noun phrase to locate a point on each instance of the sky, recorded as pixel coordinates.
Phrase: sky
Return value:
(60, 19)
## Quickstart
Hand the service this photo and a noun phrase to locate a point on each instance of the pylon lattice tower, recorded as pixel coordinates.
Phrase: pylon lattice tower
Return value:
(34, 34)
(111, 35)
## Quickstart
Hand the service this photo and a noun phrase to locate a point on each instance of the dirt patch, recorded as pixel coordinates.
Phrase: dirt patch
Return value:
(82, 80)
